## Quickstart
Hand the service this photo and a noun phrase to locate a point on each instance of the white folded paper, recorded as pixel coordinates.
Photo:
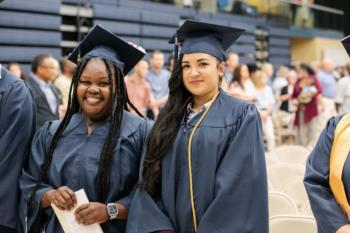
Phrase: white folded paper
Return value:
(67, 217)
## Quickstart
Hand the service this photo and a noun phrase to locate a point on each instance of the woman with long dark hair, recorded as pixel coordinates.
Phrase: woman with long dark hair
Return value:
(241, 85)
(96, 147)
(204, 167)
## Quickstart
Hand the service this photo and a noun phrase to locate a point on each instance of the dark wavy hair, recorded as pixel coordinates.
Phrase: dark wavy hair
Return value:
(308, 69)
(237, 77)
(119, 101)
(164, 130)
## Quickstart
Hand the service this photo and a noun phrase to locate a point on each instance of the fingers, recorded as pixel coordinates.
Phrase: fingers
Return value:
(92, 212)
(64, 198)
(82, 214)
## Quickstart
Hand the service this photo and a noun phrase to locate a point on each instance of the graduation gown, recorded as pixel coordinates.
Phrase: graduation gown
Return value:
(75, 164)
(229, 176)
(17, 125)
(329, 216)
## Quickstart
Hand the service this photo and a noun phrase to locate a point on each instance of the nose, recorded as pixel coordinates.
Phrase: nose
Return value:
(194, 72)
(93, 89)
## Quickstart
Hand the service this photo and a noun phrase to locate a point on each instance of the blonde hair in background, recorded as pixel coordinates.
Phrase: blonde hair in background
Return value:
(282, 71)
(259, 78)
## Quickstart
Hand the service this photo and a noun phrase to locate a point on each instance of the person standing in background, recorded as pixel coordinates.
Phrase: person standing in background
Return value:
(64, 80)
(267, 68)
(328, 83)
(45, 70)
(265, 102)
(241, 85)
(232, 62)
(158, 77)
(139, 90)
(307, 91)
(342, 94)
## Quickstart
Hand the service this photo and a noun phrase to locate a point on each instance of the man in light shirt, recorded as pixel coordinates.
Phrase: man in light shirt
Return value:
(139, 90)
(158, 77)
(342, 94)
(45, 70)
(328, 83)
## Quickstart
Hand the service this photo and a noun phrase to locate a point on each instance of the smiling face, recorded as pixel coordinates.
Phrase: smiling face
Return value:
(93, 90)
(200, 74)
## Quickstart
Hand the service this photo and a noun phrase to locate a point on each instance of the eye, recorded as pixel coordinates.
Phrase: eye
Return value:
(84, 82)
(185, 66)
(203, 64)
(103, 84)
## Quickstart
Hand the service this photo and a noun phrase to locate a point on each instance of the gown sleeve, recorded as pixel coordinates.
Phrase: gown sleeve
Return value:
(327, 212)
(17, 125)
(30, 176)
(145, 212)
(139, 140)
(240, 204)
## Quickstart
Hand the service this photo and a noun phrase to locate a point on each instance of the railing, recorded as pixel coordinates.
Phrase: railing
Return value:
(305, 15)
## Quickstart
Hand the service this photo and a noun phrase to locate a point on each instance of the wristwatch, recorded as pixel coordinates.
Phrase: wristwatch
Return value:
(112, 210)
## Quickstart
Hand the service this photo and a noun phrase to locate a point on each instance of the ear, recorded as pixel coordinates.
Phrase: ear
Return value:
(221, 68)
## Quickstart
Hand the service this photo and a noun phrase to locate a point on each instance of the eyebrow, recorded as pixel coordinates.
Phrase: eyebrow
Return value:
(198, 60)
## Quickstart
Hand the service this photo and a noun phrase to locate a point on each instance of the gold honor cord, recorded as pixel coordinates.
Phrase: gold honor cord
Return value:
(339, 153)
(190, 161)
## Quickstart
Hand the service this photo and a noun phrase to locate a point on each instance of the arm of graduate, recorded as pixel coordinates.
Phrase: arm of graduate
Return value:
(327, 212)
(146, 215)
(29, 177)
(240, 204)
(17, 115)
(145, 212)
(139, 142)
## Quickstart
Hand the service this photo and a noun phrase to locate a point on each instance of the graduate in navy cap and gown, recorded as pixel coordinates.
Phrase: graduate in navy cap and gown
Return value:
(204, 166)
(327, 177)
(17, 126)
(97, 146)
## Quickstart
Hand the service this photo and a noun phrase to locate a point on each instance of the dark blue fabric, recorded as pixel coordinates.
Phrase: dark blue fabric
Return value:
(327, 212)
(204, 44)
(229, 177)
(346, 44)
(102, 43)
(75, 164)
(17, 125)
(200, 37)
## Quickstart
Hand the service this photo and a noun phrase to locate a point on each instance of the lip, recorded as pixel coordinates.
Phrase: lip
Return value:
(92, 100)
(196, 82)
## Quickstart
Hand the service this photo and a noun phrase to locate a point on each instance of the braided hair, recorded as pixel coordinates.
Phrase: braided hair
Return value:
(119, 101)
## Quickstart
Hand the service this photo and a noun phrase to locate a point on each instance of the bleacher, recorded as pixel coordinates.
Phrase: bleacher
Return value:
(29, 27)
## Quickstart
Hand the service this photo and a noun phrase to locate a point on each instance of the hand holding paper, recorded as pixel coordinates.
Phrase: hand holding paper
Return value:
(67, 218)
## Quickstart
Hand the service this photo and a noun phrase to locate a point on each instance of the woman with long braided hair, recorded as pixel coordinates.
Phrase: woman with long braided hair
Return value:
(204, 167)
(96, 147)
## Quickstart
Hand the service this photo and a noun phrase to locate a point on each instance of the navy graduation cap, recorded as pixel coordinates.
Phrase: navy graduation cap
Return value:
(346, 44)
(101, 43)
(198, 37)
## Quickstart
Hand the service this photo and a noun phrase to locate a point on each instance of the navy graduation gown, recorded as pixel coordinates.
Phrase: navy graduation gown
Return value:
(329, 216)
(17, 125)
(229, 177)
(75, 164)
